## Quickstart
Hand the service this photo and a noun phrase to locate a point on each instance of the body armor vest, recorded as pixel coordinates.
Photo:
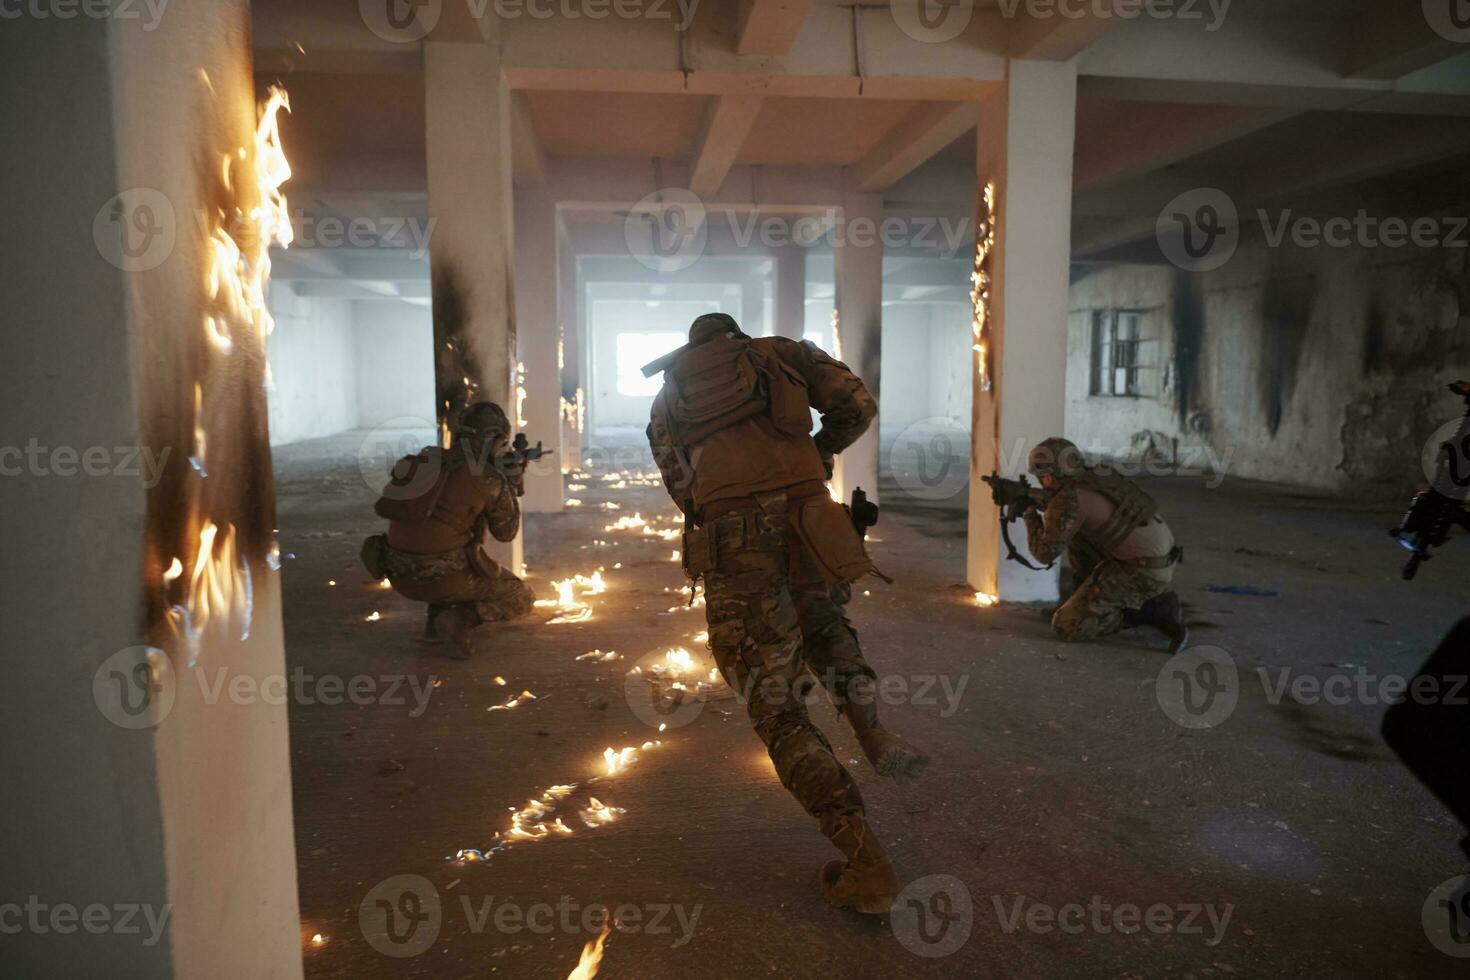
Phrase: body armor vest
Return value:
(727, 380)
(1132, 507)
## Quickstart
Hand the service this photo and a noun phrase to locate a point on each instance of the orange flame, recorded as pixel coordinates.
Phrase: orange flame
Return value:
(591, 956)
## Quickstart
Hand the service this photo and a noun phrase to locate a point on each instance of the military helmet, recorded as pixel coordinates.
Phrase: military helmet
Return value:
(1057, 456)
(712, 325)
(483, 421)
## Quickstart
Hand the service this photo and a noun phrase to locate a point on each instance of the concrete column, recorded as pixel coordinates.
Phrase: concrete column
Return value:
(467, 110)
(859, 271)
(129, 785)
(1029, 165)
(790, 305)
(538, 334)
(569, 317)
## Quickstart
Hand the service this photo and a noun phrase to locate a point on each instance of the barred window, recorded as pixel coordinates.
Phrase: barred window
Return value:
(1120, 353)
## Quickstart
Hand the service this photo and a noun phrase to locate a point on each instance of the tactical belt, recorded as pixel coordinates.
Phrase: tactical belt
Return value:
(801, 491)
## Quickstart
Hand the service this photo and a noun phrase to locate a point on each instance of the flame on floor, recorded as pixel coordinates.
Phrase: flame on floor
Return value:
(626, 523)
(591, 957)
(986, 599)
(569, 608)
(514, 702)
(598, 813)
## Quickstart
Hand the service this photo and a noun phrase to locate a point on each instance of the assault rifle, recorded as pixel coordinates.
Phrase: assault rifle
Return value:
(512, 462)
(1014, 498)
(864, 512)
(1433, 513)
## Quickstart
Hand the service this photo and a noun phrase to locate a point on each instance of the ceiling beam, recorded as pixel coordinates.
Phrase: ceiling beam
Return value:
(726, 125)
(1055, 38)
(926, 131)
(771, 26)
(1122, 141)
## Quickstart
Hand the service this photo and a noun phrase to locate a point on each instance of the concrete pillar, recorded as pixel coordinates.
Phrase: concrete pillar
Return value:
(467, 109)
(790, 305)
(1029, 165)
(569, 317)
(137, 779)
(859, 270)
(538, 333)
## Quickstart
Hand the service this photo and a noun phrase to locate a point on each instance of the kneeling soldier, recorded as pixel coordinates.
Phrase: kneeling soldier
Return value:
(439, 503)
(1121, 552)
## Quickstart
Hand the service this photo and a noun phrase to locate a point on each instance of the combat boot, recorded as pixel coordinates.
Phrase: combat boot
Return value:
(461, 622)
(1165, 614)
(888, 754)
(865, 881)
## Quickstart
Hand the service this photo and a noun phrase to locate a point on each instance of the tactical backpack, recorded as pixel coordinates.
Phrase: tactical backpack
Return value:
(415, 485)
(728, 380)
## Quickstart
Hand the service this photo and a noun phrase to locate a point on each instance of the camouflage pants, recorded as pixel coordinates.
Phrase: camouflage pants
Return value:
(1095, 608)
(447, 579)
(772, 624)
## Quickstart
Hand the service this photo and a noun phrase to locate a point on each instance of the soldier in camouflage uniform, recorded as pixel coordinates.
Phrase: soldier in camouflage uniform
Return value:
(1121, 553)
(746, 472)
(440, 503)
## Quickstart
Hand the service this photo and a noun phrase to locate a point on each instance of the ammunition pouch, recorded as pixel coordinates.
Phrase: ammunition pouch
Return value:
(374, 558)
(698, 552)
(825, 529)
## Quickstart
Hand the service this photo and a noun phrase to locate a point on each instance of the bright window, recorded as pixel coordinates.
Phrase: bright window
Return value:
(636, 350)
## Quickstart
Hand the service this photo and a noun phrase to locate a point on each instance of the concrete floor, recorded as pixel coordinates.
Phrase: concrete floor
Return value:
(1057, 778)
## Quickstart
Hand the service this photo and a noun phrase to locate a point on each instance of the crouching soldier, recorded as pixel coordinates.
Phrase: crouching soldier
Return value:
(439, 503)
(730, 431)
(1122, 554)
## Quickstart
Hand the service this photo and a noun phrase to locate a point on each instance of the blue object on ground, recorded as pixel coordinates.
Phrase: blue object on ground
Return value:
(1243, 590)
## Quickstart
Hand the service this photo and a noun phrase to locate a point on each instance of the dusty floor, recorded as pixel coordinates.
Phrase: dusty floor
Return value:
(1059, 782)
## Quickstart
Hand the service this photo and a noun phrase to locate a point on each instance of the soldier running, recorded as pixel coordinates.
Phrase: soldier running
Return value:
(439, 504)
(731, 433)
(1121, 553)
